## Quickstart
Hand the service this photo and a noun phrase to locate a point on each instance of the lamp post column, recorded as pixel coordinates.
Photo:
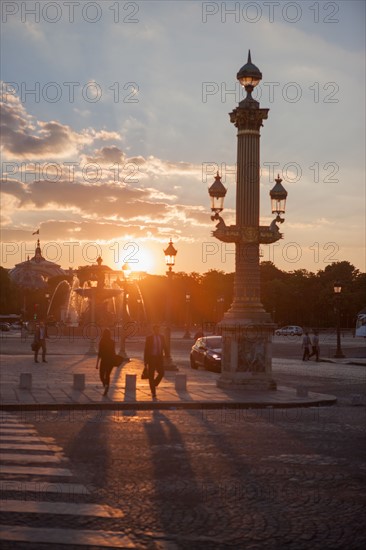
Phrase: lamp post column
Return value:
(220, 308)
(246, 327)
(337, 292)
(170, 253)
(248, 121)
(168, 361)
(187, 334)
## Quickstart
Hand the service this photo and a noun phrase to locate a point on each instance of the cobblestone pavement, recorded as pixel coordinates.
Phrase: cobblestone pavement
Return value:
(280, 478)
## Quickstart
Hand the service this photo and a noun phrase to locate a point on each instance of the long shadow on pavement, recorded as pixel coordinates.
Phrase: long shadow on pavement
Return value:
(175, 483)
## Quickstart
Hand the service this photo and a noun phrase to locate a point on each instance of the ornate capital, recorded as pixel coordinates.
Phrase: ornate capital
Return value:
(248, 119)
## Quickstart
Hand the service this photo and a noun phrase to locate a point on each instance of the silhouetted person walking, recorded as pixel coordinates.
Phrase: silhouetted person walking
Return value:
(155, 349)
(106, 355)
(306, 346)
(39, 341)
(315, 346)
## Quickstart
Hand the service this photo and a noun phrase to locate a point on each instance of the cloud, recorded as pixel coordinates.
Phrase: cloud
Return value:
(107, 155)
(22, 137)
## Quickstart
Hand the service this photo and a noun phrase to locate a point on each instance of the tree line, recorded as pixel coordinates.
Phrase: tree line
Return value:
(299, 297)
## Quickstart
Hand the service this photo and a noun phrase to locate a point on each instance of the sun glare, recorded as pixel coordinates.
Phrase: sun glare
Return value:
(136, 256)
(142, 260)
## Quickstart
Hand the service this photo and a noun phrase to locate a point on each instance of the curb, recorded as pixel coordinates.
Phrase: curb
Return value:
(360, 363)
(166, 405)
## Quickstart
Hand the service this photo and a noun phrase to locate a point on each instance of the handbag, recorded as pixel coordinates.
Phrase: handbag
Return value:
(118, 360)
(34, 346)
(145, 373)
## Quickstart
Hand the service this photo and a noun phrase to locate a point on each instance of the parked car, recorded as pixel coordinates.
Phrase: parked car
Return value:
(289, 330)
(16, 326)
(206, 352)
(4, 327)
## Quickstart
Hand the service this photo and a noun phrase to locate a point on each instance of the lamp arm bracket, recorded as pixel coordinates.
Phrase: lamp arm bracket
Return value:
(237, 234)
(226, 234)
(269, 233)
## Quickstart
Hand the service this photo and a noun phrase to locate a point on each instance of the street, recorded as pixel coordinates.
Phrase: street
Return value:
(178, 479)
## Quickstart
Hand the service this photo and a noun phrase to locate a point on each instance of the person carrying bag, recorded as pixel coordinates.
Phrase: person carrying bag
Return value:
(106, 358)
(155, 349)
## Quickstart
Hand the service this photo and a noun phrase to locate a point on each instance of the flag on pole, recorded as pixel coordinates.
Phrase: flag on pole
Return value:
(36, 232)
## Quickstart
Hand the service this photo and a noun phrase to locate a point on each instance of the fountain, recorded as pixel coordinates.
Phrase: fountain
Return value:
(60, 307)
(89, 303)
(97, 313)
(141, 311)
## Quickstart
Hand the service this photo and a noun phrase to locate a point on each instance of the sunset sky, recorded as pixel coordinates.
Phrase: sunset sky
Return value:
(115, 121)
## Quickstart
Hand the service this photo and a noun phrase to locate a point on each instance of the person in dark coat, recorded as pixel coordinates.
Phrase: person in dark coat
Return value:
(106, 355)
(155, 349)
(306, 346)
(315, 346)
(40, 335)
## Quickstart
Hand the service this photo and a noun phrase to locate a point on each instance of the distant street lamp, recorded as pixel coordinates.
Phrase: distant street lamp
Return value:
(187, 334)
(220, 307)
(246, 327)
(126, 270)
(337, 294)
(170, 253)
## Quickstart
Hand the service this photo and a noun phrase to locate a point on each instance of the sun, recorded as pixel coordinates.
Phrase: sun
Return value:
(137, 257)
(142, 260)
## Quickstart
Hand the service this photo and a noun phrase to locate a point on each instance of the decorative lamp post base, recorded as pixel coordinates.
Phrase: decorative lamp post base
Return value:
(246, 355)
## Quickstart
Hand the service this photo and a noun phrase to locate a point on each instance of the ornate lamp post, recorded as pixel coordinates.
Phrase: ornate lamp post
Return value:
(220, 307)
(246, 327)
(170, 254)
(337, 294)
(122, 351)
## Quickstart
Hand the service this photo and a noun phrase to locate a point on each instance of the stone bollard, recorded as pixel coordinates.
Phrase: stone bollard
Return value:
(79, 382)
(131, 383)
(302, 391)
(181, 382)
(25, 382)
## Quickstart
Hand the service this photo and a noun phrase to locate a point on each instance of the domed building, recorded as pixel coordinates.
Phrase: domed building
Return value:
(34, 273)
(32, 277)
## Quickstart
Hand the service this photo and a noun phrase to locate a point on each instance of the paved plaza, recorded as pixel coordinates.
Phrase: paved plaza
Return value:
(57, 382)
(199, 469)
